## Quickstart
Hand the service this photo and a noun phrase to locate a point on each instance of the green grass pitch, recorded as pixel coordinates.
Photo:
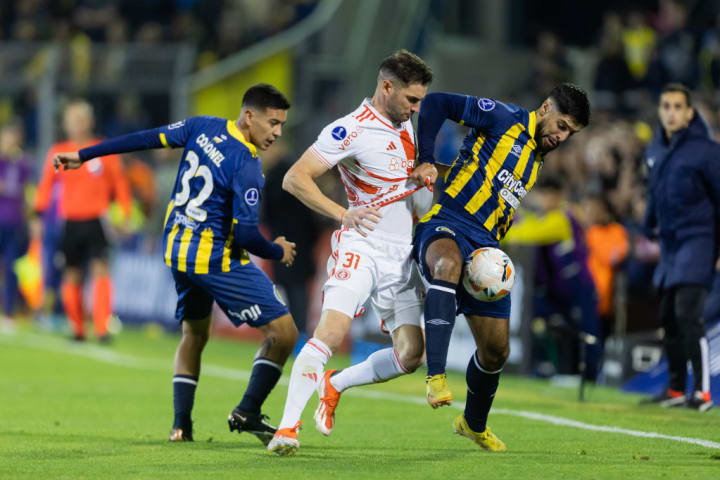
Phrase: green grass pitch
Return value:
(72, 411)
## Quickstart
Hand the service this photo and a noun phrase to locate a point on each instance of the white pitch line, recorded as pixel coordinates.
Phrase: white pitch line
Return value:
(102, 354)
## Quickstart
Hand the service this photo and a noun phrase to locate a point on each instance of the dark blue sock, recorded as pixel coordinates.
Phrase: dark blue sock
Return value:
(482, 386)
(183, 398)
(265, 374)
(439, 321)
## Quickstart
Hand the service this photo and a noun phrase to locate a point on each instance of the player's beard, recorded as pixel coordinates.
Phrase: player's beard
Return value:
(539, 134)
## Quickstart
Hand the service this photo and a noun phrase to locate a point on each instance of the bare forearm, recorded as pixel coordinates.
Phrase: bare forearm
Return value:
(304, 188)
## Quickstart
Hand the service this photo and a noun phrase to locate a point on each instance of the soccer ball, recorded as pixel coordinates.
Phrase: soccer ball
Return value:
(489, 274)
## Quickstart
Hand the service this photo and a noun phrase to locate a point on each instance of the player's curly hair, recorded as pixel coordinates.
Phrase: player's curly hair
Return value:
(264, 95)
(407, 68)
(572, 100)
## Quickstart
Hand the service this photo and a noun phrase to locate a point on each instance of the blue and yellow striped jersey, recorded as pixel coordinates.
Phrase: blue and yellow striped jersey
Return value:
(496, 167)
(218, 186)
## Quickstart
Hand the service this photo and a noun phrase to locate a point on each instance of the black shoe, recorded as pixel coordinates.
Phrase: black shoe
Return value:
(255, 423)
(179, 435)
(105, 339)
(667, 398)
(78, 338)
(700, 401)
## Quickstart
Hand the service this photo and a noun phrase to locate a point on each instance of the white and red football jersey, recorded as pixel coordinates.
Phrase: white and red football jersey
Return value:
(375, 160)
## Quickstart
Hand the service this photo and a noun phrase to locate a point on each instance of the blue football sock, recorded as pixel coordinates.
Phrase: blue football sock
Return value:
(439, 321)
(183, 398)
(482, 385)
(265, 374)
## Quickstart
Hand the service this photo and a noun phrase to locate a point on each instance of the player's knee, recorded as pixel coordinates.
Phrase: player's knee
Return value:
(448, 268)
(410, 357)
(494, 356)
(195, 334)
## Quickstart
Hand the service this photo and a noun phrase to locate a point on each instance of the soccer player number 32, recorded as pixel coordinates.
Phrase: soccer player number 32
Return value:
(349, 259)
(193, 209)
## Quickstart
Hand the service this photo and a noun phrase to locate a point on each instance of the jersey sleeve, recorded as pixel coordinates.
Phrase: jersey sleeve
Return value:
(337, 141)
(169, 136)
(483, 113)
(247, 186)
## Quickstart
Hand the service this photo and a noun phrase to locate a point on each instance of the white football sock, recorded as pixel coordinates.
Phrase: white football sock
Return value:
(381, 366)
(306, 372)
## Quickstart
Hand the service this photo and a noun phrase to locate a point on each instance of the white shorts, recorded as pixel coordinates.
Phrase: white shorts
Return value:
(375, 271)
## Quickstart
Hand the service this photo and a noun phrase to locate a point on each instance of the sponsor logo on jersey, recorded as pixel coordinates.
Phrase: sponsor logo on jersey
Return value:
(252, 196)
(516, 150)
(391, 146)
(185, 221)
(247, 314)
(485, 104)
(445, 229)
(209, 149)
(338, 133)
(342, 274)
(350, 137)
(512, 188)
(401, 164)
(175, 125)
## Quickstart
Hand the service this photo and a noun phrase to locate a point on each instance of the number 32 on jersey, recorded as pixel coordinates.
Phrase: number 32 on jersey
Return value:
(193, 209)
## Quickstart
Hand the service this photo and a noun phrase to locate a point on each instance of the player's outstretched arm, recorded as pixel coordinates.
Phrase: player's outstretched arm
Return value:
(169, 136)
(300, 182)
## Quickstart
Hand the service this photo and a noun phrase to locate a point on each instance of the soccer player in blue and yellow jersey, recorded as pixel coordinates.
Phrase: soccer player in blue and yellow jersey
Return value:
(211, 225)
(497, 165)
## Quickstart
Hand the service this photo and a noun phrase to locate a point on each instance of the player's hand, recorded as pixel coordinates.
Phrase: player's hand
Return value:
(70, 161)
(424, 174)
(360, 218)
(288, 251)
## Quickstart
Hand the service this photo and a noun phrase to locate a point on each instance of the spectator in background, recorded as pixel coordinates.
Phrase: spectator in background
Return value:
(85, 197)
(612, 76)
(282, 212)
(638, 41)
(550, 65)
(684, 209)
(607, 246)
(15, 176)
(564, 285)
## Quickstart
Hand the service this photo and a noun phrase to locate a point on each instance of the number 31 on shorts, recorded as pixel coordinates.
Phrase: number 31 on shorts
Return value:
(351, 260)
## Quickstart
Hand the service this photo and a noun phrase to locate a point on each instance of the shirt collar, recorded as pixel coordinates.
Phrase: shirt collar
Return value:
(235, 132)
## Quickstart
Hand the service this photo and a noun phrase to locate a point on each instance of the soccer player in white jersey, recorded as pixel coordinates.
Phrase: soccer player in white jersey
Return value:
(374, 150)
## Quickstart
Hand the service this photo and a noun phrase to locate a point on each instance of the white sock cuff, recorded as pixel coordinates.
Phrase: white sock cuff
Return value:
(318, 349)
(398, 363)
(477, 364)
(185, 380)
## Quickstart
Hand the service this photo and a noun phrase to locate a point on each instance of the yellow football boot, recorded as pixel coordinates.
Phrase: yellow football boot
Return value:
(438, 392)
(486, 440)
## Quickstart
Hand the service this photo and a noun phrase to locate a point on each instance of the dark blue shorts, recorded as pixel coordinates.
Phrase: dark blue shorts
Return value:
(468, 238)
(245, 294)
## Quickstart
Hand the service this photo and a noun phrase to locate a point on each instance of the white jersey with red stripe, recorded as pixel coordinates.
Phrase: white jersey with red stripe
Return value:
(375, 159)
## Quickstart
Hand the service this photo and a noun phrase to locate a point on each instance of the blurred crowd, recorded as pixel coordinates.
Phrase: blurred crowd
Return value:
(596, 183)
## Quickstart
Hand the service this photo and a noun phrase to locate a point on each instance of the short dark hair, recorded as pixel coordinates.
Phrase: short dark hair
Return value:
(264, 95)
(678, 87)
(572, 100)
(406, 67)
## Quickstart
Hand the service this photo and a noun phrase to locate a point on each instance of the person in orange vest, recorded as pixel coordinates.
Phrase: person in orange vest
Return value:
(86, 194)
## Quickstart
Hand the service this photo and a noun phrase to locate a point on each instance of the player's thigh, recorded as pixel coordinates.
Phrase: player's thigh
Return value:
(492, 337)
(352, 277)
(437, 251)
(194, 304)
(399, 298)
(96, 240)
(245, 294)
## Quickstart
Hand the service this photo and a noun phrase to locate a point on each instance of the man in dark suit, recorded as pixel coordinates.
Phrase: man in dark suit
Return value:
(683, 211)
